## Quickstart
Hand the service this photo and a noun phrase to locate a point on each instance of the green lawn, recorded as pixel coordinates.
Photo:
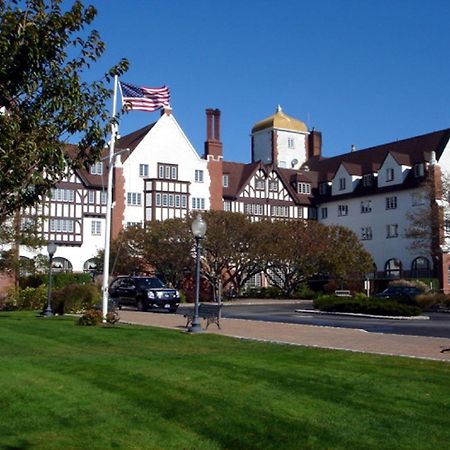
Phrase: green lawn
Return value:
(64, 386)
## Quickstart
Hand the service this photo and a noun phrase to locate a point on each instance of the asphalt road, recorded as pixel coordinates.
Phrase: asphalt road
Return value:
(437, 326)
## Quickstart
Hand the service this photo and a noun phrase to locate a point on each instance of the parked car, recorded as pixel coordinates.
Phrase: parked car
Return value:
(400, 292)
(143, 293)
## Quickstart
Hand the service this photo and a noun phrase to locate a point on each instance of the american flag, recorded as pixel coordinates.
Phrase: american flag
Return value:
(144, 98)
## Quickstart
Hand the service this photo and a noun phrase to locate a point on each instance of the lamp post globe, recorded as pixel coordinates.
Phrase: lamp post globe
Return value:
(51, 249)
(198, 228)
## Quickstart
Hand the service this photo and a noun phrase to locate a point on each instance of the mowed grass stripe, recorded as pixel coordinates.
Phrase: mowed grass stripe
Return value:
(65, 386)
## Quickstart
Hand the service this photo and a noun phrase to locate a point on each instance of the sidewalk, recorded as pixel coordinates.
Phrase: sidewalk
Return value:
(307, 335)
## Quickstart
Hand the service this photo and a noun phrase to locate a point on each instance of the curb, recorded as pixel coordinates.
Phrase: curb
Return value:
(371, 316)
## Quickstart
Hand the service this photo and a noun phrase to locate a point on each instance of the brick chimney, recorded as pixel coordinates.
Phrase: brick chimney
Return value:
(214, 156)
(314, 144)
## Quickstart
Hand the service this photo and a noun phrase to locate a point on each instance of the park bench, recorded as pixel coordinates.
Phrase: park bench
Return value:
(342, 293)
(208, 311)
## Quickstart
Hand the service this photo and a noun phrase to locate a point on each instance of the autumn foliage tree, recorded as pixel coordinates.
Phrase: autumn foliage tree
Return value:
(44, 100)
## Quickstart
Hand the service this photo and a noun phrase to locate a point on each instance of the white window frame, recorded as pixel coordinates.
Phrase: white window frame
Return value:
(391, 202)
(342, 210)
(143, 170)
(199, 176)
(96, 228)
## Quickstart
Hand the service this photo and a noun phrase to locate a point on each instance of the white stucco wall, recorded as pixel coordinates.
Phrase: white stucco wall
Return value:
(380, 247)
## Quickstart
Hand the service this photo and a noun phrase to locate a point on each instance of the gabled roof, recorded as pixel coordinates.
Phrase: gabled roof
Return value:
(406, 152)
(239, 175)
(132, 140)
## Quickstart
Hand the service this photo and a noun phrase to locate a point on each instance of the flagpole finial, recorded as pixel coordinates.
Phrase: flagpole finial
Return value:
(166, 109)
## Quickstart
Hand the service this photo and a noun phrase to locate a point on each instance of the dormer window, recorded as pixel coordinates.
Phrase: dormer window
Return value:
(97, 169)
(418, 170)
(368, 180)
(225, 180)
(389, 174)
(342, 184)
(304, 188)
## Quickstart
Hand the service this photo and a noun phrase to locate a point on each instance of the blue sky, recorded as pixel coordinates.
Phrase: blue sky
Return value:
(362, 72)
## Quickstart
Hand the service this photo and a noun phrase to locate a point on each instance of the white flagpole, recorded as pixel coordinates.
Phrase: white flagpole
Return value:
(109, 205)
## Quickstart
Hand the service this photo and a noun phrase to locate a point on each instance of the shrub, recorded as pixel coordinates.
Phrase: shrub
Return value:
(59, 279)
(28, 298)
(304, 291)
(376, 306)
(431, 300)
(76, 298)
(91, 317)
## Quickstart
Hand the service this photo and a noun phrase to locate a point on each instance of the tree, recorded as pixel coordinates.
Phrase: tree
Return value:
(168, 245)
(126, 252)
(297, 250)
(43, 99)
(230, 256)
(430, 214)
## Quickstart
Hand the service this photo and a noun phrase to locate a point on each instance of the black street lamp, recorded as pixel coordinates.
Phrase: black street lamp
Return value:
(198, 228)
(51, 249)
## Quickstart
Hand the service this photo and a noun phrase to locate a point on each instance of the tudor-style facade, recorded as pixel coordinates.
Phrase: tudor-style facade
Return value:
(159, 175)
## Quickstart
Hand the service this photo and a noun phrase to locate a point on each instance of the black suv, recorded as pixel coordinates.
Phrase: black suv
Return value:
(143, 293)
(400, 292)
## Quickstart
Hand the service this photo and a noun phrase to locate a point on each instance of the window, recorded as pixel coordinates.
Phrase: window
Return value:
(291, 143)
(393, 268)
(143, 170)
(96, 228)
(323, 188)
(304, 188)
(421, 268)
(199, 176)
(279, 211)
(158, 199)
(368, 180)
(312, 213)
(418, 170)
(366, 206)
(183, 201)
(342, 184)
(198, 203)
(171, 200)
(63, 195)
(177, 200)
(164, 200)
(168, 171)
(227, 206)
(391, 202)
(254, 209)
(366, 233)
(324, 213)
(342, 210)
(273, 185)
(97, 169)
(389, 174)
(225, 180)
(134, 198)
(61, 225)
(104, 197)
(259, 184)
(392, 231)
